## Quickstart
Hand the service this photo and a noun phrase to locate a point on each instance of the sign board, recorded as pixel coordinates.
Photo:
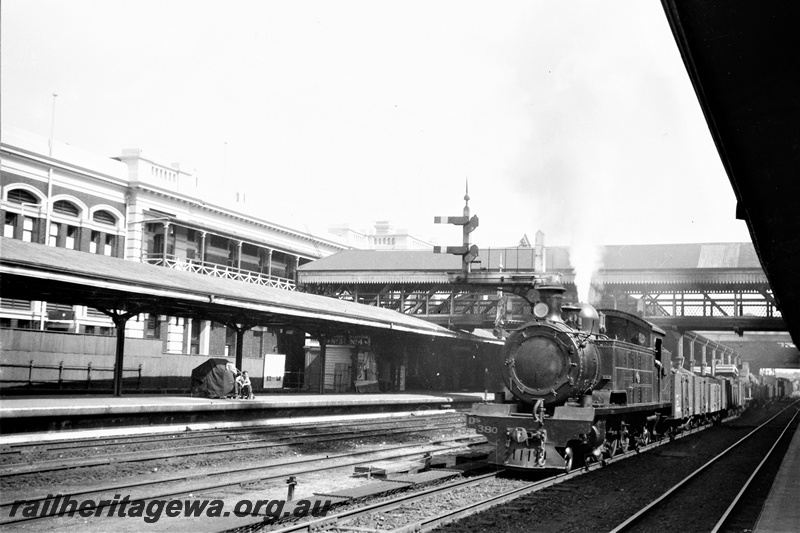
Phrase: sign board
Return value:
(349, 340)
(274, 367)
(61, 315)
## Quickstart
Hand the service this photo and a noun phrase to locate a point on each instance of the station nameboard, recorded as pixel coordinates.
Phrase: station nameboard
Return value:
(349, 340)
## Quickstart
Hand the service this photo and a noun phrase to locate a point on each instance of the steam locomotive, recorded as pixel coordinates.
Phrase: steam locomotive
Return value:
(589, 385)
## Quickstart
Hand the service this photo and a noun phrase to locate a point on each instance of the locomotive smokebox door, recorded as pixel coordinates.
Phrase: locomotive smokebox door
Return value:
(545, 361)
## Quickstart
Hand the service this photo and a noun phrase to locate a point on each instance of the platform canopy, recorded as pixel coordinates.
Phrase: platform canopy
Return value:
(741, 56)
(123, 289)
(37, 272)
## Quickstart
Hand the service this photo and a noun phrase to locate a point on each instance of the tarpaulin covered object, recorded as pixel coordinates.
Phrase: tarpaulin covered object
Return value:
(212, 379)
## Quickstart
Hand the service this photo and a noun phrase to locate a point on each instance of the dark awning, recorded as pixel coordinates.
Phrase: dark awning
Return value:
(741, 56)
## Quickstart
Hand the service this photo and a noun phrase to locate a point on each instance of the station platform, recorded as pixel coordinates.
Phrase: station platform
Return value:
(781, 512)
(52, 415)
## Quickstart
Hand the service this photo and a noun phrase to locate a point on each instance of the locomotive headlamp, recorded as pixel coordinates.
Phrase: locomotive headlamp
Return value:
(540, 310)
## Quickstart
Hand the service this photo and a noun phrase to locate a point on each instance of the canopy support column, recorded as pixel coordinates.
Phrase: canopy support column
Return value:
(240, 331)
(354, 369)
(120, 320)
(323, 344)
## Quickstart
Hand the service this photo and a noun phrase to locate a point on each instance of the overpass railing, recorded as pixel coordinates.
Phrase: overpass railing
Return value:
(710, 305)
(220, 271)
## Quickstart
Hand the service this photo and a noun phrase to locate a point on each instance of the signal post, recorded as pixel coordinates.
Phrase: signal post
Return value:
(522, 285)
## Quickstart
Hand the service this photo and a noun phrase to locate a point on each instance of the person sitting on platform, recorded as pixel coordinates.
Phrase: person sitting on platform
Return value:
(247, 387)
(237, 383)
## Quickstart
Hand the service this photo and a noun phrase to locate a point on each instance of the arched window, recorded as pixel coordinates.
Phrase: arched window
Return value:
(64, 207)
(62, 234)
(21, 225)
(104, 217)
(21, 196)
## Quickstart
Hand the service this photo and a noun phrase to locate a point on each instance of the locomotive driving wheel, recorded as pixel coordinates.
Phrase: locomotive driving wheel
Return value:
(568, 457)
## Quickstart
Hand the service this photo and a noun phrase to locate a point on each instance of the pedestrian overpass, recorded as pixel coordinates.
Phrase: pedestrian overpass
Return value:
(685, 287)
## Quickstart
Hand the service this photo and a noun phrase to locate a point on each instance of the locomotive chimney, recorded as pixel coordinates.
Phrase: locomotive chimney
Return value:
(551, 295)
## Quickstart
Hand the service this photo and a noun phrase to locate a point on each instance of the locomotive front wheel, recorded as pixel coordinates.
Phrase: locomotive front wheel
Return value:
(568, 456)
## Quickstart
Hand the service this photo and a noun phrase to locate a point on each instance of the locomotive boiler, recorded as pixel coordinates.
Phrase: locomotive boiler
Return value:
(587, 384)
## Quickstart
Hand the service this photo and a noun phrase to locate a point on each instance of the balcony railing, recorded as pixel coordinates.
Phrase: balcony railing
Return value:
(68, 376)
(219, 271)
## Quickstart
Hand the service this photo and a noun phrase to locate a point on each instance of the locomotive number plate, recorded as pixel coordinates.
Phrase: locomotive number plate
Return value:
(481, 428)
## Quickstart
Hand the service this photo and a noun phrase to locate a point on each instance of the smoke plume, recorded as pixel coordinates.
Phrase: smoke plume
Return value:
(585, 258)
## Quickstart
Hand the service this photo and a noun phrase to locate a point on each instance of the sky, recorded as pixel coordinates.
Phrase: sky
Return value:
(574, 118)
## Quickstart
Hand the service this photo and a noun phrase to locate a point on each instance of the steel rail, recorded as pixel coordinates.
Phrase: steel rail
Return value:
(11, 470)
(241, 481)
(315, 526)
(735, 501)
(429, 524)
(184, 435)
(262, 466)
(322, 524)
(652, 505)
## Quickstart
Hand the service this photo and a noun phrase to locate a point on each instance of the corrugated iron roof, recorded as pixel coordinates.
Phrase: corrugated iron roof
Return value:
(35, 270)
(666, 256)
(376, 277)
(384, 260)
(613, 257)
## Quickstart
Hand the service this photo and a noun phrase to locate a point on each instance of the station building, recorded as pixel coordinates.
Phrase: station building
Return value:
(383, 236)
(140, 209)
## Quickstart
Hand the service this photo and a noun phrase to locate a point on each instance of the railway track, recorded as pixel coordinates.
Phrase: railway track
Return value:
(19, 468)
(190, 432)
(758, 443)
(430, 508)
(564, 492)
(359, 518)
(265, 473)
(422, 510)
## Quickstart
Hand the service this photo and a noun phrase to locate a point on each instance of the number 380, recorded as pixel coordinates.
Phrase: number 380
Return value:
(480, 428)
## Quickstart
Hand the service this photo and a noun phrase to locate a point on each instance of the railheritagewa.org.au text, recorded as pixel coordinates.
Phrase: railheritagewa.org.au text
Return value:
(152, 511)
